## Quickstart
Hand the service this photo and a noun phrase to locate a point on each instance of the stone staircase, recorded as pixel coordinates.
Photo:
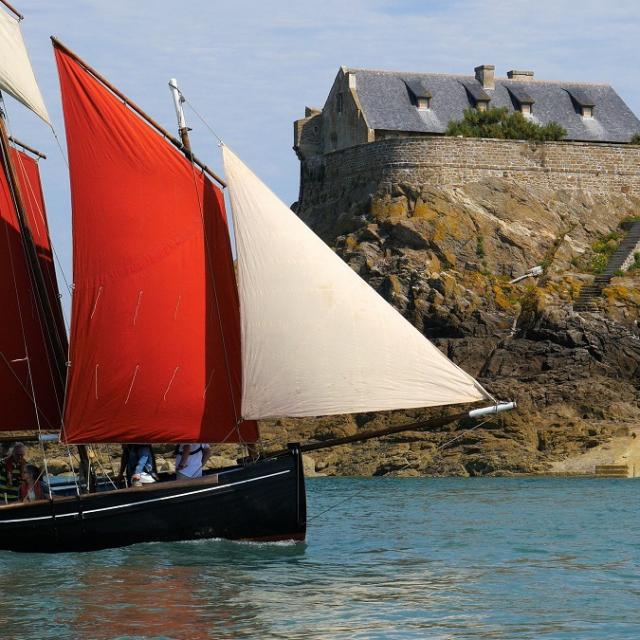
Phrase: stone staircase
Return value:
(613, 470)
(591, 292)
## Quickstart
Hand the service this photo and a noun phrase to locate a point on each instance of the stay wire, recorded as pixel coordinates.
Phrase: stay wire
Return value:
(238, 419)
(52, 340)
(201, 118)
(220, 143)
(51, 245)
(363, 489)
(100, 464)
(22, 327)
(64, 319)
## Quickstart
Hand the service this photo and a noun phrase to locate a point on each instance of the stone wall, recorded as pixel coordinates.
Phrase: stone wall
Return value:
(448, 161)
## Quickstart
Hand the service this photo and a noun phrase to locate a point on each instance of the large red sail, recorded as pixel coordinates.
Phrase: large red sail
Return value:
(28, 175)
(30, 384)
(155, 331)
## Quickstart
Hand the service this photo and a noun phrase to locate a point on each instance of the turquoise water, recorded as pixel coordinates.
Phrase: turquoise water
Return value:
(395, 558)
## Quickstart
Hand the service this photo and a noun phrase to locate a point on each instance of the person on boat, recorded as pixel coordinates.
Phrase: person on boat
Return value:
(11, 472)
(140, 465)
(31, 487)
(190, 459)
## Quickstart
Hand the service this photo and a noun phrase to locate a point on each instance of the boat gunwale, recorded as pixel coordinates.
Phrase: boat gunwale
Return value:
(211, 478)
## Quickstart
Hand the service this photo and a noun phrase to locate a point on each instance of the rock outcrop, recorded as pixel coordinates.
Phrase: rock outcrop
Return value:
(443, 256)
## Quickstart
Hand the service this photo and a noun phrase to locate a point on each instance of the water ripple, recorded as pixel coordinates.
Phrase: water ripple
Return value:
(446, 559)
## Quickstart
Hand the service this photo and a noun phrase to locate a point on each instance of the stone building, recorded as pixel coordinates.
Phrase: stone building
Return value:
(379, 128)
(443, 226)
(366, 106)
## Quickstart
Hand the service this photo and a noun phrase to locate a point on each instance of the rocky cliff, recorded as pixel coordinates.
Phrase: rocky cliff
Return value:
(444, 256)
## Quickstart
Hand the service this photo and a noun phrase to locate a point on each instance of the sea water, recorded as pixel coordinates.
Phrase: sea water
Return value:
(384, 558)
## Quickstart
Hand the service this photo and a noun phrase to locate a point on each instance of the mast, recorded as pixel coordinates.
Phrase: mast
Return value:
(178, 100)
(21, 84)
(55, 342)
(44, 304)
(57, 349)
(183, 130)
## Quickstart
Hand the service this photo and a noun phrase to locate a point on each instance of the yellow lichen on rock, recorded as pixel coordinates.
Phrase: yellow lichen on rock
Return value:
(423, 210)
(388, 208)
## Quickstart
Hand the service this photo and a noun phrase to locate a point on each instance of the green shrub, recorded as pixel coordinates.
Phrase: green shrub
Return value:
(499, 123)
(635, 265)
(635, 139)
(598, 262)
(603, 248)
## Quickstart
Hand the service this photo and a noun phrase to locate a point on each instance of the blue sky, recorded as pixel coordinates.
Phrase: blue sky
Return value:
(250, 67)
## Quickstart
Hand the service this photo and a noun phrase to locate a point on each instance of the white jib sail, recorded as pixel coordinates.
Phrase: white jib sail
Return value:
(16, 74)
(316, 338)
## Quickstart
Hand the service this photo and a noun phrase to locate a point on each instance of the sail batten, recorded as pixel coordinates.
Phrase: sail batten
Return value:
(16, 74)
(155, 353)
(317, 339)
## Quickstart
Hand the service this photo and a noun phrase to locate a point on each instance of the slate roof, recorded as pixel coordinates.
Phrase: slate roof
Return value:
(387, 103)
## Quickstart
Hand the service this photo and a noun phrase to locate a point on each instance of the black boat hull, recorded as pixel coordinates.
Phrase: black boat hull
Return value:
(263, 501)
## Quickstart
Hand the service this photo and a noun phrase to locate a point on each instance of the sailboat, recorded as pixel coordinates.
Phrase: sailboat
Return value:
(168, 346)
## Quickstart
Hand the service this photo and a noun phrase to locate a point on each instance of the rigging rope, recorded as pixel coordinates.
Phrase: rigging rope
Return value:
(212, 276)
(51, 246)
(5, 153)
(206, 124)
(46, 338)
(54, 341)
(236, 412)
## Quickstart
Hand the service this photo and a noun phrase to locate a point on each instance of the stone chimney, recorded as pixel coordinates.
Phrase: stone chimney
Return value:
(521, 76)
(484, 75)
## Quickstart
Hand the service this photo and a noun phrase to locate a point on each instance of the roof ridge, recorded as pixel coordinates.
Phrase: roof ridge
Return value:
(472, 77)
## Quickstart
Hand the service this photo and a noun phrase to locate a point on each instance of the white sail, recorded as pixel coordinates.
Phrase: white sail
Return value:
(16, 74)
(316, 338)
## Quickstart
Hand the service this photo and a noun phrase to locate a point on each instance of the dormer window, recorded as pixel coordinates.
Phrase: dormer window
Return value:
(478, 97)
(419, 95)
(583, 103)
(521, 99)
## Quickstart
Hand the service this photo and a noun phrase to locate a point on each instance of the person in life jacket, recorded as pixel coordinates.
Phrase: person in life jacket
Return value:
(190, 459)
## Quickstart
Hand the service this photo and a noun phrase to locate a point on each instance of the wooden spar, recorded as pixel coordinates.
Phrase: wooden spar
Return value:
(26, 147)
(57, 350)
(434, 423)
(13, 10)
(29, 437)
(134, 107)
